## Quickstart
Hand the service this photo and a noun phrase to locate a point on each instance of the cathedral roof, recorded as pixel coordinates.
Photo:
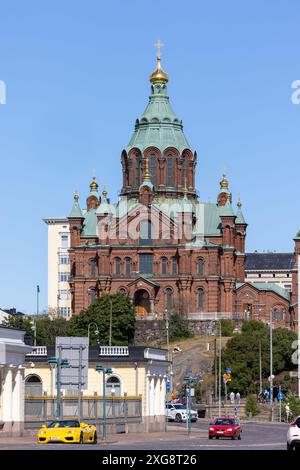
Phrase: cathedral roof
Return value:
(158, 126)
(76, 211)
(264, 286)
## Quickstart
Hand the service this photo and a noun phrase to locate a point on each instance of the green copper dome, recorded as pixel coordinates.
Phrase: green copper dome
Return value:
(158, 126)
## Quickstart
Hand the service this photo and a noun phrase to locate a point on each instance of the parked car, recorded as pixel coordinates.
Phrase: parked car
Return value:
(225, 427)
(293, 435)
(178, 412)
(68, 431)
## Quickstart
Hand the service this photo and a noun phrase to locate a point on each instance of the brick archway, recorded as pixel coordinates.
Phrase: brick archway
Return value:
(142, 302)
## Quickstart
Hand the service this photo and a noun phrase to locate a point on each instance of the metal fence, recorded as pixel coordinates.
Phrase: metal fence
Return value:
(39, 409)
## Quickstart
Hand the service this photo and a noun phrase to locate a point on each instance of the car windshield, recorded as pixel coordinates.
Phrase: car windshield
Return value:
(224, 422)
(180, 406)
(64, 424)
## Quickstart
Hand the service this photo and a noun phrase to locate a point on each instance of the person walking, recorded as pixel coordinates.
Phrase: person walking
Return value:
(288, 412)
(232, 396)
(238, 398)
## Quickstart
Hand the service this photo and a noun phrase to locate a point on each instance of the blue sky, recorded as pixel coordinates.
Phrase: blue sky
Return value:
(76, 76)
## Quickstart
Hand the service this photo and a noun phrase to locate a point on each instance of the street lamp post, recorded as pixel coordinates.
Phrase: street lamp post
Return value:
(59, 363)
(104, 370)
(96, 330)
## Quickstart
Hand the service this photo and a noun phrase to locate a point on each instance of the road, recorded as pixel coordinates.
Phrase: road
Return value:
(255, 436)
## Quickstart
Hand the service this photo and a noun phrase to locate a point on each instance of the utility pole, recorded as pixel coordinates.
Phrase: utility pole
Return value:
(216, 371)
(260, 369)
(298, 318)
(220, 364)
(271, 363)
(110, 322)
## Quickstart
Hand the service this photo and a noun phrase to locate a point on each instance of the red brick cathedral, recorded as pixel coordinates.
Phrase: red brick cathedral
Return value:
(159, 244)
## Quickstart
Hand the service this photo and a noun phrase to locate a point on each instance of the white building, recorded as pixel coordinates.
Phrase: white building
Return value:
(270, 268)
(12, 360)
(59, 297)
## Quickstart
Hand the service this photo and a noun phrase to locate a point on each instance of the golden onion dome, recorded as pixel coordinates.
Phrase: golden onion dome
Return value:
(76, 197)
(94, 185)
(159, 75)
(224, 183)
(239, 204)
(104, 192)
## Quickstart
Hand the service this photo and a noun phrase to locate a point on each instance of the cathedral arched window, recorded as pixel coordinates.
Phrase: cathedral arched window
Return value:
(200, 299)
(183, 171)
(169, 298)
(174, 265)
(275, 313)
(282, 314)
(128, 266)
(118, 265)
(92, 293)
(170, 176)
(153, 168)
(93, 266)
(138, 171)
(145, 232)
(164, 262)
(200, 267)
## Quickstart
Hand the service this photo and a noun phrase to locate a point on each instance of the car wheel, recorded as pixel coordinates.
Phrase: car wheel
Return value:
(210, 437)
(95, 438)
(81, 439)
(178, 418)
(289, 446)
(240, 437)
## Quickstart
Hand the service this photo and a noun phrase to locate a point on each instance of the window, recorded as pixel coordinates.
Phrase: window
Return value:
(275, 313)
(169, 294)
(138, 171)
(153, 168)
(118, 265)
(164, 265)
(200, 298)
(64, 311)
(92, 293)
(183, 171)
(63, 295)
(274, 275)
(170, 171)
(93, 266)
(113, 386)
(64, 259)
(63, 277)
(282, 314)
(174, 265)
(64, 241)
(128, 266)
(288, 275)
(259, 275)
(145, 232)
(200, 267)
(146, 262)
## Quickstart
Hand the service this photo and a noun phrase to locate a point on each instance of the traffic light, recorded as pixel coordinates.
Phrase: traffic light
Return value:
(228, 377)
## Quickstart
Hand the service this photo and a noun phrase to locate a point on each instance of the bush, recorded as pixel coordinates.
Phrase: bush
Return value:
(178, 327)
(227, 327)
(252, 406)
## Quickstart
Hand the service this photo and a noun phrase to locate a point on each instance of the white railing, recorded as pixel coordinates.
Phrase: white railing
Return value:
(38, 351)
(113, 351)
(215, 316)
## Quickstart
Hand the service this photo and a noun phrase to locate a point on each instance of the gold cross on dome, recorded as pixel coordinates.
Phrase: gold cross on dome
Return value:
(158, 45)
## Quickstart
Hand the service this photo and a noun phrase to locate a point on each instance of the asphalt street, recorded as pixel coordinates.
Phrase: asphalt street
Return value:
(255, 436)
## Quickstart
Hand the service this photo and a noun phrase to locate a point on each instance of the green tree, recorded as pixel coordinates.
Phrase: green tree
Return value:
(227, 327)
(47, 330)
(252, 407)
(123, 320)
(178, 327)
(20, 322)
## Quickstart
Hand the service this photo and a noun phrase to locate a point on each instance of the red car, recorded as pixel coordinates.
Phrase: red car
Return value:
(225, 427)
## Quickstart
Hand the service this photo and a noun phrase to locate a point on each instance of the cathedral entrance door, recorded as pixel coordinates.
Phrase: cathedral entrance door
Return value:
(247, 309)
(142, 302)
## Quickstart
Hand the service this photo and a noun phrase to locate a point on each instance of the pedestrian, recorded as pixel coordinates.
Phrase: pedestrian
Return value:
(287, 412)
(238, 398)
(232, 396)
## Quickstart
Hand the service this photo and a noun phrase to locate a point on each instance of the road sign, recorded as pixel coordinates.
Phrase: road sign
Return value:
(236, 408)
(228, 370)
(168, 386)
(76, 350)
(280, 396)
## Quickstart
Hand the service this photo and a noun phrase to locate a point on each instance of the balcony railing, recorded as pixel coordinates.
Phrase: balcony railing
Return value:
(113, 351)
(215, 316)
(38, 351)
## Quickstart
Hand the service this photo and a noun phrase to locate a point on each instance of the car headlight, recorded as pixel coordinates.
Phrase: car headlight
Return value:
(211, 429)
(229, 429)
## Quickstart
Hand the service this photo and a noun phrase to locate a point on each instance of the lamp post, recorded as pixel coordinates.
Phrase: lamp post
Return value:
(96, 330)
(271, 362)
(59, 363)
(104, 370)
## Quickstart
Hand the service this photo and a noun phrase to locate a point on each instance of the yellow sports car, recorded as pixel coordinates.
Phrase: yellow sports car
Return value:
(68, 431)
